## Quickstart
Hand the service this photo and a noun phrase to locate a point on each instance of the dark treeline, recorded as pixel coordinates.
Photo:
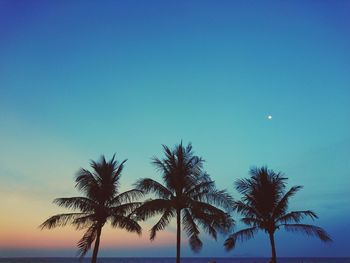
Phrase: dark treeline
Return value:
(186, 193)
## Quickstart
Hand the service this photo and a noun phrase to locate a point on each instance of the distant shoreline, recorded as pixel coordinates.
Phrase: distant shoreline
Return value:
(183, 258)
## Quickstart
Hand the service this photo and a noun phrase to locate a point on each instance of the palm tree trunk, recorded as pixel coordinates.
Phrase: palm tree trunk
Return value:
(97, 244)
(178, 235)
(273, 248)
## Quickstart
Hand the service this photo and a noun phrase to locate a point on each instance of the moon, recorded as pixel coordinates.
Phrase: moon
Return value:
(269, 117)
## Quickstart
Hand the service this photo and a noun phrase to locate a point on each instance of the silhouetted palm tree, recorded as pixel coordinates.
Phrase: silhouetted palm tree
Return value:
(264, 206)
(187, 194)
(101, 203)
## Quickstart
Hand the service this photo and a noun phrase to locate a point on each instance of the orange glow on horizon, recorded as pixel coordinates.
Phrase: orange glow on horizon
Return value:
(68, 237)
(20, 228)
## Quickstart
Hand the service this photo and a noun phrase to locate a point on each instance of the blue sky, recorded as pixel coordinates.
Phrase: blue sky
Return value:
(84, 78)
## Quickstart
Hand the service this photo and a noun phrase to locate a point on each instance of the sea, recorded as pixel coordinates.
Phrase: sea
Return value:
(172, 260)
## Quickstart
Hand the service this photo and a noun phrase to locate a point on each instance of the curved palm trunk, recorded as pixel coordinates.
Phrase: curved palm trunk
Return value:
(97, 245)
(273, 248)
(178, 235)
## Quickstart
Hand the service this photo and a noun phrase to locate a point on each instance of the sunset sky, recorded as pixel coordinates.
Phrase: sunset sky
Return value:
(83, 78)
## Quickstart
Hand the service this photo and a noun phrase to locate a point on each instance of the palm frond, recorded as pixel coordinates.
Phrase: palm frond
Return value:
(87, 183)
(162, 222)
(212, 219)
(201, 187)
(245, 209)
(160, 165)
(203, 207)
(214, 223)
(296, 216)
(168, 152)
(218, 198)
(242, 185)
(180, 168)
(194, 164)
(118, 170)
(262, 191)
(264, 205)
(258, 175)
(127, 223)
(101, 202)
(189, 225)
(309, 230)
(82, 203)
(84, 221)
(148, 185)
(209, 220)
(102, 168)
(252, 221)
(195, 243)
(240, 236)
(209, 227)
(125, 209)
(60, 220)
(282, 205)
(84, 244)
(106, 176)
(151, 208)
(127, 197)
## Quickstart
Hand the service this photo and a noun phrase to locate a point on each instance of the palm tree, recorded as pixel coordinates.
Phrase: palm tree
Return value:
(264, 206)
(187, 194)
(101, 203)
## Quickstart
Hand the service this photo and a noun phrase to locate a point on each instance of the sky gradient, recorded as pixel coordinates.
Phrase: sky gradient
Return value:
(80, 78)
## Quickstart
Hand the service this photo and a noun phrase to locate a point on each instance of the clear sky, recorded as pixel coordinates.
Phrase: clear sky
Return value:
(83, 78)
